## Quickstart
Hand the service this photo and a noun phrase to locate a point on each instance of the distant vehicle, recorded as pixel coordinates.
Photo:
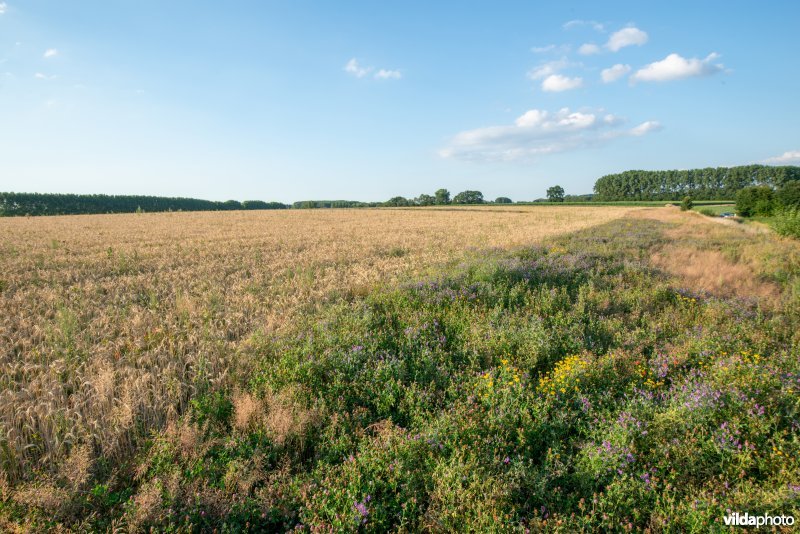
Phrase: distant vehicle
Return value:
(727, 215)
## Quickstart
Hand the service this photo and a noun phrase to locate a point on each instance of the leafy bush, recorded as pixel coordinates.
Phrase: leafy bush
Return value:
(755, 201)
(787, 222)
(789, 195)
(708, 212)
(686, 203)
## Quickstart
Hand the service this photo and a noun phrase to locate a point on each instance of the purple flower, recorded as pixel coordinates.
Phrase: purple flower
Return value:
(363, 509)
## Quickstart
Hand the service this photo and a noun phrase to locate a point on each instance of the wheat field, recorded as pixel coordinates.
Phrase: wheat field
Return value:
(112, 323)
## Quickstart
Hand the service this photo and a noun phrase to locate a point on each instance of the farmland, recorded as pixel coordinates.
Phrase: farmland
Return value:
(500, 368)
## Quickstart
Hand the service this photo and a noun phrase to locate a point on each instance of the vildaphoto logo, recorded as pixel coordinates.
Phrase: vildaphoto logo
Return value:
(746, 520)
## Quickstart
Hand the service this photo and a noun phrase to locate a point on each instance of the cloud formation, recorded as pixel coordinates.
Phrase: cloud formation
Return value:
(354, 68)
(614, 73)
(543, 49)
(626, 37)
(578, 22)
(555, 83)
(50, 52)
(384, 74)
(588, 49)
(540, 132)
(548, 68)
(3, 8)
(552, 80)
(787, 158)
(645, 128)
(676, 67)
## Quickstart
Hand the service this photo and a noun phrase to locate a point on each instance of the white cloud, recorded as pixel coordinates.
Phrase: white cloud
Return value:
(588, 49)
(555, 83)
(787, 158)
(543, 49)
(576, 23)
(626, 37)
(645, 128)
(352, 67)
(558, 49)
(50, 52)
(384, 74)
(614, 73)
(548, 69)
(3, 8)
(40, 76)
(675, 67)
(539, 132)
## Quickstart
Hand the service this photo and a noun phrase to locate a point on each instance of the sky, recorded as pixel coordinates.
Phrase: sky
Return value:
(360, 100)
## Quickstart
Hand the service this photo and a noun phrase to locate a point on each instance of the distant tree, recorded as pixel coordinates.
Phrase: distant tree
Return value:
(442, 197)
(686, 203)
(397, 202)
(502, 200)
(261, 205)
(755, 201)
(230, 205)
(468, 197)
(425, 200)
(555, 194)
(720, 183)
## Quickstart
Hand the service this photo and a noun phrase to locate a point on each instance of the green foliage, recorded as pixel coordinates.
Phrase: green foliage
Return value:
(708, 212)
(686, 203)
(788, 196)
(555, 194)
(442, 196)
(701, 184)
(468, 197)
(787, 222)
(317, 204)
(397, 202)
(261, 205)
(758, 201)
(425, 200)
(503, 200)
(63, 204)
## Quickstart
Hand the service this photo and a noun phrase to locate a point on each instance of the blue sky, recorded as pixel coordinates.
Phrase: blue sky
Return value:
(366, 100)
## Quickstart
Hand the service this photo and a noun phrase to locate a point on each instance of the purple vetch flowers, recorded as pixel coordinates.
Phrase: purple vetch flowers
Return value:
(362, 509)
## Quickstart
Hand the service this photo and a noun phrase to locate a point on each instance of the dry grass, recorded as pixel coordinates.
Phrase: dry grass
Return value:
(111, 324)
(726, 260)
(711, 271)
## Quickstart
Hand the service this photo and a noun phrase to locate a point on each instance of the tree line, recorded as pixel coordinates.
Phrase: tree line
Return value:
(440, 198)
(68, 204)
(720, 183)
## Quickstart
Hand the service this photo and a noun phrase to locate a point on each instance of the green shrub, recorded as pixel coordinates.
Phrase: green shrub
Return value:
(708, 212)
(686, 203)
(787, 222)
(755, 201)
(789, 195)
